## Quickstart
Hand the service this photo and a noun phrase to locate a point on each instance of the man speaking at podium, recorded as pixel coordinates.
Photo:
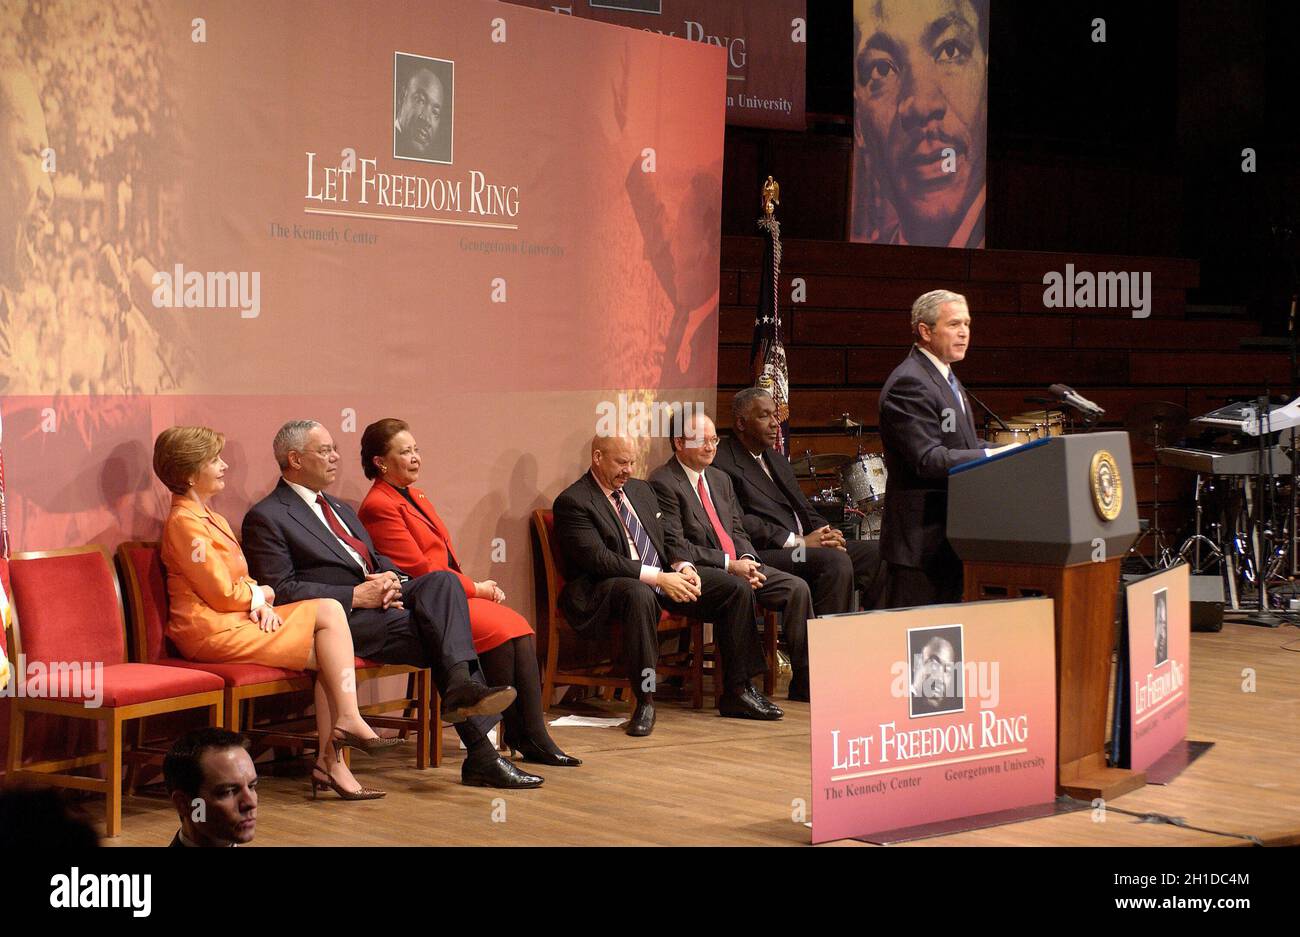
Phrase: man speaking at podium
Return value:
(927, 427)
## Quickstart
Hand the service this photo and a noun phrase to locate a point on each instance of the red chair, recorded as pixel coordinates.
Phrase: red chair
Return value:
(68, 616)
(561, 639)
(146, 582)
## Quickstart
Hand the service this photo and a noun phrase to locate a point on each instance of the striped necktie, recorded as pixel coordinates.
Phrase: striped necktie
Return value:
(644, 548)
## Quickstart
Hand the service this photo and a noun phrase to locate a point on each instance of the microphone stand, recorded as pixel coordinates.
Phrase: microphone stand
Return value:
(1263, 535)
(985, 408)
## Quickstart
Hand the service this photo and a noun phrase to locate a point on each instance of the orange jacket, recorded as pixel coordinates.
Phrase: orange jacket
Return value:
(208, 585)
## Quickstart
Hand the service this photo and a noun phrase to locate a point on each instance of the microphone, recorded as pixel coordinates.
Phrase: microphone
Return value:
(1082, 404)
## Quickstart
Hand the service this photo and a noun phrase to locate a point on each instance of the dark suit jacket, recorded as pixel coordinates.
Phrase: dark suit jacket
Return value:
(921, 444)
(291, 550)
(770, 504)
(176, 841)
(685, 522)
(593, 545)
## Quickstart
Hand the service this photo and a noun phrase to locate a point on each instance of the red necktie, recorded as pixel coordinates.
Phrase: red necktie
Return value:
(342, 532)
(724, 538)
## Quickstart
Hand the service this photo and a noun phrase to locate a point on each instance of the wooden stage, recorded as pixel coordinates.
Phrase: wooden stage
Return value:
(703, 780)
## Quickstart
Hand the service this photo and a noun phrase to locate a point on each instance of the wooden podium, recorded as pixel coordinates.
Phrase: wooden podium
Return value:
(1054, 518)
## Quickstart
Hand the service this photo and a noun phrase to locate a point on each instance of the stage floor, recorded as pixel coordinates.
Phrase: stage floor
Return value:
(703, 780)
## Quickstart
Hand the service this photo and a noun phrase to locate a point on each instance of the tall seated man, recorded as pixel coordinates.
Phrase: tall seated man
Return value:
(621, 566)
(305, 544)
(787, 530)
(700, 509)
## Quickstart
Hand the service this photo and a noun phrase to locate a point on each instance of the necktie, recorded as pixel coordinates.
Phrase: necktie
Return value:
(342, 532)
(952, 382)
(724, 539)
(644, 548)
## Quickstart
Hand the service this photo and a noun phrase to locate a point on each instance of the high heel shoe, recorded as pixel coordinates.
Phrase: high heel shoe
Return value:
(328, 783)
(342, 738)
(532, 752)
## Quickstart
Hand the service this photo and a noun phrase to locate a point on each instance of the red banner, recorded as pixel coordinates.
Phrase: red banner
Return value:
(766, 45)
(486, 220)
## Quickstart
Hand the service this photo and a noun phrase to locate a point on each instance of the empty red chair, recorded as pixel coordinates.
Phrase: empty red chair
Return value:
(68, 620)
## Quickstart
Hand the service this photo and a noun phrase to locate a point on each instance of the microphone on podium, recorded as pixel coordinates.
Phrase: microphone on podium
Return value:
(1082, 404)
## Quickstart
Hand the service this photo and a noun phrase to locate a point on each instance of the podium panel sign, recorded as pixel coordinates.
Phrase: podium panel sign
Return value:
(927, 714)
(1155, 694)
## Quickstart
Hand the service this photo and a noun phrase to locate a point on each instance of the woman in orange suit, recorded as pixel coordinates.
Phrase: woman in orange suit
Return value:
(405, 528)
(221, 615)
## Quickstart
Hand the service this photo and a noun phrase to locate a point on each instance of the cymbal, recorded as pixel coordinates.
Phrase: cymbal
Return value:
(844, 421)
(1157, 422)
(820, 462)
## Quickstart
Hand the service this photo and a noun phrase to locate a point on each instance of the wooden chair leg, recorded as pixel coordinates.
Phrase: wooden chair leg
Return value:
(422, 681)
(548, 671)
(697, 664)
(132, 768)
(435, 727)
(232, 710)
(113, 814)
(17, 724)
(411, 693)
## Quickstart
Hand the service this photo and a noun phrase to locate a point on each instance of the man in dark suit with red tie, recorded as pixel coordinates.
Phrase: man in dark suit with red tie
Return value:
(927, 428)
(621, 566)
(700, 509)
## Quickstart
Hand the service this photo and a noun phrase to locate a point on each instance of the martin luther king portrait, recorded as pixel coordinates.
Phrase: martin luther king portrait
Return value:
(423, 96)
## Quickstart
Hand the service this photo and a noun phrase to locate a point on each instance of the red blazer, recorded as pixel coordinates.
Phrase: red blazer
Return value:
(416, 541)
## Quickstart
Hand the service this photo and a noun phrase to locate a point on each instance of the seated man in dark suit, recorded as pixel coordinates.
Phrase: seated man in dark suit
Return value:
(622, 567)
(212, 784)
(789, 533)
(307, 545)
(700, 509)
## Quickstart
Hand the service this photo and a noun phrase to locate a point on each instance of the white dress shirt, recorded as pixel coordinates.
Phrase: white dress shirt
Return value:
(694, 477)
(945, 370)
(796, 536)
(649, 574)
(309, 497)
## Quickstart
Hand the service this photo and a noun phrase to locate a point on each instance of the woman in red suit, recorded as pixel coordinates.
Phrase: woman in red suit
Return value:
(405, 527)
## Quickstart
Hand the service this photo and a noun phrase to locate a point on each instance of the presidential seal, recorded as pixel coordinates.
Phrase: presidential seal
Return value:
(1107, 488)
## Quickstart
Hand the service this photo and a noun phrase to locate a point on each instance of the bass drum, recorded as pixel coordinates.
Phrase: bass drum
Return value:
(1014, 433)
(1045, 422)
(863, 481)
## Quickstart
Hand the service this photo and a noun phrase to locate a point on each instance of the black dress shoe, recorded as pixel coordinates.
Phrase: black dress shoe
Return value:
(798, 691)
(497, 772)
(532, 752)
(765, 702)
(643, 720)
(475, 699)
(744, 703)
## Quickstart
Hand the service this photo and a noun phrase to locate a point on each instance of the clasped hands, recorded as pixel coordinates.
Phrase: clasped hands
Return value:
(825, 536)
(380, 590)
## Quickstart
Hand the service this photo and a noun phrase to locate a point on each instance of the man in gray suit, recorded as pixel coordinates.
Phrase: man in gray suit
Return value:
(701, 511)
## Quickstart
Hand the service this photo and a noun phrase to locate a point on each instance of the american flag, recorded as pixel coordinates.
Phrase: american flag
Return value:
(766, 353)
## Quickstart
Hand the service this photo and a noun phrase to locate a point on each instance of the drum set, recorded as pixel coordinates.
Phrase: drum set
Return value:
(853, 498)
